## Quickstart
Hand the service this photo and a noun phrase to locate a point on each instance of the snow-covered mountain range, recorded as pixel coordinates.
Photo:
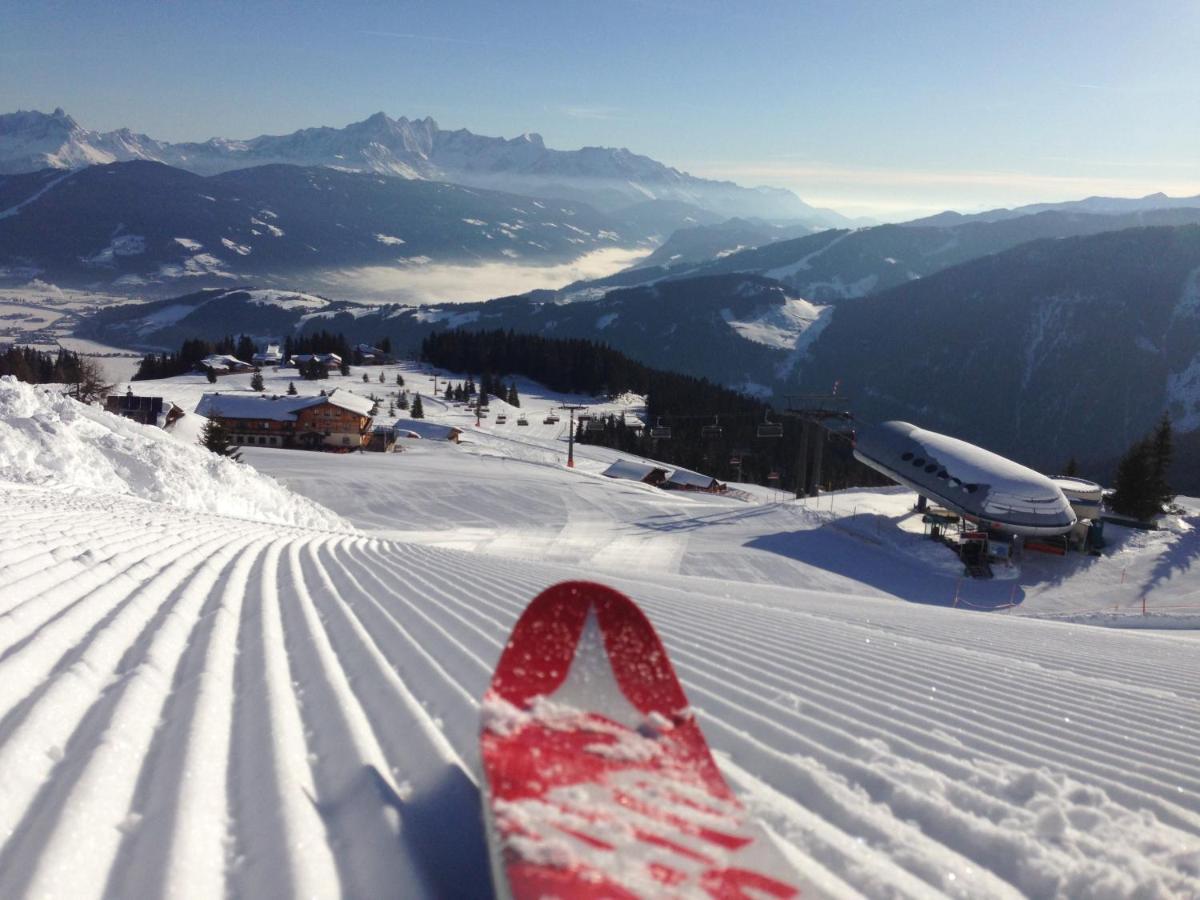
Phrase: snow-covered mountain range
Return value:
(607, 178)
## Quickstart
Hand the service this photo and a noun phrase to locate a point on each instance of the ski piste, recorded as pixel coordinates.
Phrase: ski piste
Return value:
(598, 780)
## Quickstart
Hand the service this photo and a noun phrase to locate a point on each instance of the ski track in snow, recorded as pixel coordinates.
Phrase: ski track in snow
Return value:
(198, 705)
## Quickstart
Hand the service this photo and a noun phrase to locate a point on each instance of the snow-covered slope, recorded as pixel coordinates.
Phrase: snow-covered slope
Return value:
(47, 439)
(208, 705)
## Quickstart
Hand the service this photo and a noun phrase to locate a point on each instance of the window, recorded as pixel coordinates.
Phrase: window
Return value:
(943, 474)
(932, 467)
(907, 456)
(972, 488)
(918, 462)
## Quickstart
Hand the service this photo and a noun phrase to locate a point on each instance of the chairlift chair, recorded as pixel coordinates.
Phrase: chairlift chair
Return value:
(595, 424)
(712, 431)
(661, 432)
(769, 429)
(551, 419)
(521, 420)
(501, 418)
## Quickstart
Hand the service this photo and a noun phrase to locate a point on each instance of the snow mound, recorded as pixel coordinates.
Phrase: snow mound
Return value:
(50, 440)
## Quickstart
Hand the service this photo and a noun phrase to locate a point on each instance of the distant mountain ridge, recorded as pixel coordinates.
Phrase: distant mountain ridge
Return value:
(1102, 206)
(416, 149)
(148, 227)
(835, 265)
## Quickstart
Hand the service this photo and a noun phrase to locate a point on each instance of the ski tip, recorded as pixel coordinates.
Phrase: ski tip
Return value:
(542, 647)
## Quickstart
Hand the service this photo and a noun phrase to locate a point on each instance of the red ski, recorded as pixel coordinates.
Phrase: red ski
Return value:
(599, 782)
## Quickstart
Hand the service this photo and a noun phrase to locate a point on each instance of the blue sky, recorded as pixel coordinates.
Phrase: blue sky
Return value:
(880, 108)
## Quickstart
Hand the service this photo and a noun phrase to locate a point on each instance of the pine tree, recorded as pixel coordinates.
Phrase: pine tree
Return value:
(513, 398)
(381, 376)
(292, 388)
(245, 349)
(1136, 493)
(1162, 451)
(418, 410)
(215, 437)
(210, 375)
(1071, 469)
(399, 380)
(364, 377)
(256, 382)
(403, 401)
(344, 368)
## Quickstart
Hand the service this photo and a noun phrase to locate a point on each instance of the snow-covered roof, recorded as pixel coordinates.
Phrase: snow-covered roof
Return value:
(248, 406)
(351, 401)
(1078, 488)
(631, 470)
(426, 429)
(279, 409)
(218, 360)
(684, 478)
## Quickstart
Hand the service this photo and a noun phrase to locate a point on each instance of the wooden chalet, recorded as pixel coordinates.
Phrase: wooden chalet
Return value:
(683, 480)
(628, 470)
(339, 420)
(147, 410)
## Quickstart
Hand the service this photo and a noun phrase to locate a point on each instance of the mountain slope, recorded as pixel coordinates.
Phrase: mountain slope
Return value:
(1051, 349)
(833, 265)
(145, 224)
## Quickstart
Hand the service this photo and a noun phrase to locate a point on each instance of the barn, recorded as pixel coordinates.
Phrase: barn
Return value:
(683, 480)
(628, 470)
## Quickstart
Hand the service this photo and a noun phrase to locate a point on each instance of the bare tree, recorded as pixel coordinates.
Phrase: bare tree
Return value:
(89, 383)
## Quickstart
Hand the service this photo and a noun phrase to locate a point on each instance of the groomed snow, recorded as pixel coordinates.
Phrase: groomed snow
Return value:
(209, 704)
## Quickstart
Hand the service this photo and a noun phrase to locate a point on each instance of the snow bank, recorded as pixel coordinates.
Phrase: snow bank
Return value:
(50, 440)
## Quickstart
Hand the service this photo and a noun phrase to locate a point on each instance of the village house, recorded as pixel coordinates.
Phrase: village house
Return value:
(683, 480)
(272, 356)
(224, 364)
(339, 420)
(329, 360)
(628, 470)
(368, 355)
(147, 410)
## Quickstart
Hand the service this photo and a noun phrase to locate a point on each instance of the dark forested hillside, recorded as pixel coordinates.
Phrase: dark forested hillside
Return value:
(685, 404)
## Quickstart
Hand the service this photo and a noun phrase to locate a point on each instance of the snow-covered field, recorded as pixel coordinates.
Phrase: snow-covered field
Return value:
(204, 699)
